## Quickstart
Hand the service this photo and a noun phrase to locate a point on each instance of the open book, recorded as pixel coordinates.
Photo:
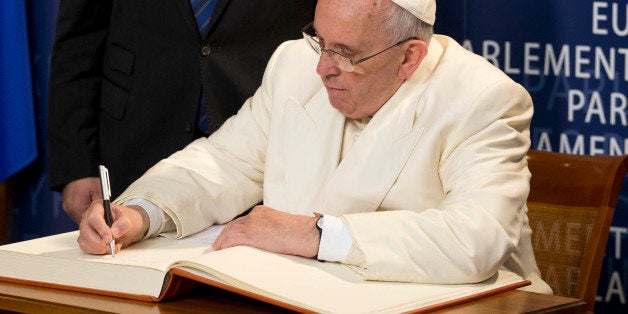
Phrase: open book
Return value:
(157, 268)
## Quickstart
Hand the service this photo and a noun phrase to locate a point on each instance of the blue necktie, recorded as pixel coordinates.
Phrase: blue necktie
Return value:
(202, 12)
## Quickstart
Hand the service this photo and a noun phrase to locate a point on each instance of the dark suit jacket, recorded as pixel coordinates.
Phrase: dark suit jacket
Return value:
(126, 77)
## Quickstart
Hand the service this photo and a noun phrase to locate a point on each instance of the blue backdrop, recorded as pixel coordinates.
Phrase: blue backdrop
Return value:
(570, 55)
(572, 58)
(35, 210)
(18, 146)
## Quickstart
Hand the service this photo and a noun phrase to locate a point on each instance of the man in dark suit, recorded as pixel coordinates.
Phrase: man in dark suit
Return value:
(127, 77)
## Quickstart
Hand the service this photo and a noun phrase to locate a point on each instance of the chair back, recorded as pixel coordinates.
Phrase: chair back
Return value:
(571, 204)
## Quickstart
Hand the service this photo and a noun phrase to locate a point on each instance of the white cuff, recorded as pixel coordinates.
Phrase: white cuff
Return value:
(336, 240)
(155, 215)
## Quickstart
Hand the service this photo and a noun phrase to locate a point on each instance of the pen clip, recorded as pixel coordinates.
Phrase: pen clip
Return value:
(104, 182)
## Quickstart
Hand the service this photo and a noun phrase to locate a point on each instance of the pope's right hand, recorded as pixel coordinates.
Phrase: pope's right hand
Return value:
(130, 224)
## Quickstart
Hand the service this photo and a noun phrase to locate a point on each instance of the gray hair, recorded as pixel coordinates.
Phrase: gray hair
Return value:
(400, 24)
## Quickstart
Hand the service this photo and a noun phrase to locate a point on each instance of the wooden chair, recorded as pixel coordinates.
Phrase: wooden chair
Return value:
(571, 204)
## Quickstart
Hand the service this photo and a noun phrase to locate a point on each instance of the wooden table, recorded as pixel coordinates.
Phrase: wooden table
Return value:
(28, 299)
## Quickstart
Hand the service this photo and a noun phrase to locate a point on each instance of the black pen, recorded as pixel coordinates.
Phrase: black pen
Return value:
(106, 195)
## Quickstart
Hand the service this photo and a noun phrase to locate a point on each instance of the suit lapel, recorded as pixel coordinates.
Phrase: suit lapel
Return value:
(315, 180)
(188, 16)
(313, 136)
(374, 162)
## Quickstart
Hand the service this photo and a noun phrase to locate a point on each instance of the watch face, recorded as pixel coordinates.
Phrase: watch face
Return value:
(319, 222)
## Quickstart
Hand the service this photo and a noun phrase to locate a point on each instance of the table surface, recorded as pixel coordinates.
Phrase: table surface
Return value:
(30, 299)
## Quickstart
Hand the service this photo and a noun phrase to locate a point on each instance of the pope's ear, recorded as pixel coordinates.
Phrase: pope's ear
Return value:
(414, 52)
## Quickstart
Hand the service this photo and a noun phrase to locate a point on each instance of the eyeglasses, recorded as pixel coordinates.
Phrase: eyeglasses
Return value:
(339, 60)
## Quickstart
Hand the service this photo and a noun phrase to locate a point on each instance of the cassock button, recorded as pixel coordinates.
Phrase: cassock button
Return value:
(205, 50)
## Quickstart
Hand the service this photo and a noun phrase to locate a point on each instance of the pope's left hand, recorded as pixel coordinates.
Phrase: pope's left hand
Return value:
(272, 230)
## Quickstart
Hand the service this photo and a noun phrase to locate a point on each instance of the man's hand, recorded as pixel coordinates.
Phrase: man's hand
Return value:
(273, 231)
(78, 195)
(130, 224)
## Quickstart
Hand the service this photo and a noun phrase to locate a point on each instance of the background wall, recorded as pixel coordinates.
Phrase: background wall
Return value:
(570, 55)
(572, 58)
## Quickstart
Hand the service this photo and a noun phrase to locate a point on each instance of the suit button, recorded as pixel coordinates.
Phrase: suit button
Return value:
(205, 50)
(189, 127)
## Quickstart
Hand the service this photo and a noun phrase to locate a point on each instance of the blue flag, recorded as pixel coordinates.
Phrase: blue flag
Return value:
(18, 144)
